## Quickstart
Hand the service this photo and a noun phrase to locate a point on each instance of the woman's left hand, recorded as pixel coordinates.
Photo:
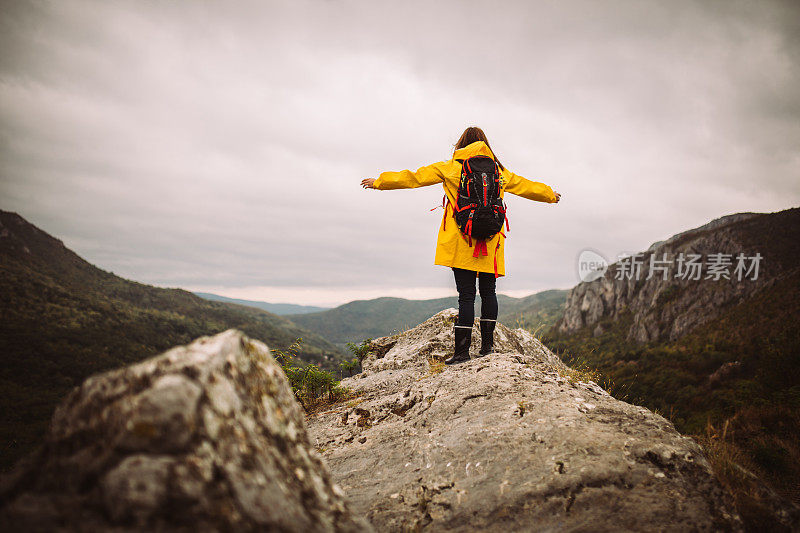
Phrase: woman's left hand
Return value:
(368, 183)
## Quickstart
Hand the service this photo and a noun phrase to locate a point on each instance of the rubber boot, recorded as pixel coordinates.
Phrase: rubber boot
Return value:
(463, 340)
(487, 336)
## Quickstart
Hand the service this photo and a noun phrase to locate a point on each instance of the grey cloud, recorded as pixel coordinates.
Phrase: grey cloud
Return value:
(198, 144)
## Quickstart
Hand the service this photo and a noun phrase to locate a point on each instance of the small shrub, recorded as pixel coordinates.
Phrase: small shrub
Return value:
(351, 367)
(285, 357)
(360, 350)
(311, 385)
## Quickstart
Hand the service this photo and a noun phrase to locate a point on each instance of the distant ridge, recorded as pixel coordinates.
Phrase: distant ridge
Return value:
(278, 309)
(362, 319)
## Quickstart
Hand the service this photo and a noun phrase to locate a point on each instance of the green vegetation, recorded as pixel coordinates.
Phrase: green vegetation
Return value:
(536, 313)
(64, 319)
(740, 372)
(313, 387)
(360, 350)
(351, 367)
(383, 316)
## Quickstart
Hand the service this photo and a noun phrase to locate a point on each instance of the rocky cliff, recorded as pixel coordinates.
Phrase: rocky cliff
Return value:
(205, 437)
(513, 441)
(659, 307)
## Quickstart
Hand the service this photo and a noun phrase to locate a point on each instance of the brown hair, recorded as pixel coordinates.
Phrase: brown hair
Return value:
(474, 134)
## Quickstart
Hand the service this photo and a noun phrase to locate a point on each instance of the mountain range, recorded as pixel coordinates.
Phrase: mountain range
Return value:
(368, 319)
(277, 309)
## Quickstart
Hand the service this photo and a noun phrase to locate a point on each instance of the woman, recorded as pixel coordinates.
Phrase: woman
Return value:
(456, 250)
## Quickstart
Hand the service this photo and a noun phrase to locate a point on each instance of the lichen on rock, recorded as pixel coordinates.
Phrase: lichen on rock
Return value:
(207, 436)
(507, 442)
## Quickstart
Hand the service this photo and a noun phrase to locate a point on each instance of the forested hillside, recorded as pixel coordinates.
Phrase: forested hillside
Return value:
(64, 319)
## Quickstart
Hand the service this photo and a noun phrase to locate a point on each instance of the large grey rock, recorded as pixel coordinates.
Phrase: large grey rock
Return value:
(507, 443)
(204, 437)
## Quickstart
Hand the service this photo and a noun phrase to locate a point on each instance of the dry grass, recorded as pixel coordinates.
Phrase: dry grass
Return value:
(357, 400)
(737, 449)
(579, 369)
(519, 323)
(729, 462)
(536, 333)
(581, 373)
(326, 403)
(436, 366)
(404, 327)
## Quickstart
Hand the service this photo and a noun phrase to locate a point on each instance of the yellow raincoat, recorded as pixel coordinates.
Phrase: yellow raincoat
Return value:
(452, 247)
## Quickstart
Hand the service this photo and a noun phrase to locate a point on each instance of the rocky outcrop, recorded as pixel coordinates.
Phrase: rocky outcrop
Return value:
(204, 437)
(513, 441)
(667, 309)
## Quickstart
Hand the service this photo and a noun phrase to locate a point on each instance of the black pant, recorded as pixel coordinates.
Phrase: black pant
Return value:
(465, 283)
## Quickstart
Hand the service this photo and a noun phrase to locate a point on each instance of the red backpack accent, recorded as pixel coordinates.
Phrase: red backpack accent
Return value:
(479, 211)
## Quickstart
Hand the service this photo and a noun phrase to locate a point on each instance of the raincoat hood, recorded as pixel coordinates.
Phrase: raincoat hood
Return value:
(471, 150)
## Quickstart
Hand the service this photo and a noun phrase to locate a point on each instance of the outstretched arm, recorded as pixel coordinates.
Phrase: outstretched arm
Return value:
(532, 190)
(406, 179)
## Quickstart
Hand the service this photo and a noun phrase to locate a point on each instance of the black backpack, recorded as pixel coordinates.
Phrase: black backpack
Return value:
(479, 210)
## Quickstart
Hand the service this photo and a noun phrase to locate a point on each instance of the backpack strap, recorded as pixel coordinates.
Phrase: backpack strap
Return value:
(504, 210)
(444, 197)
(480, 249)
(496, 248)
(495, 259)
(444, 206)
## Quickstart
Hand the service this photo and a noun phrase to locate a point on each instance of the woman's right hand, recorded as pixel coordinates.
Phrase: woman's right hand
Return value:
(558, 196)
(368, 183)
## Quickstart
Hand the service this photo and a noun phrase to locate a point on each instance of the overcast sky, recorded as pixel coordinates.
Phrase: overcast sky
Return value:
(218, 146)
